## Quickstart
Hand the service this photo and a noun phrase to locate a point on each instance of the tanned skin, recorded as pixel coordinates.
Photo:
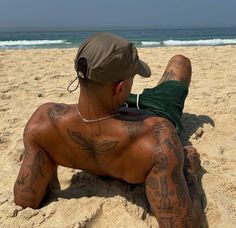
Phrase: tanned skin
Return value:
(137, 149)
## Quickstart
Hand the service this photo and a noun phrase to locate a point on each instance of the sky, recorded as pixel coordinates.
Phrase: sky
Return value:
(18, 15)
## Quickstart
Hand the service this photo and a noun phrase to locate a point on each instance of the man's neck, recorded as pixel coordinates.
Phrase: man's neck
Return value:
(91, 107)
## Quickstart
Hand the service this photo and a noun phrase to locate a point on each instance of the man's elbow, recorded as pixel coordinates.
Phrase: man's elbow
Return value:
(26, 201)
(25, 204)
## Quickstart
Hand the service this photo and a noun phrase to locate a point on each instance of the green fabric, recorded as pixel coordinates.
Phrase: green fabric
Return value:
(166, 100)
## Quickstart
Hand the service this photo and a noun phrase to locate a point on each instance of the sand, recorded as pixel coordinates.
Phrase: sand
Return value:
(32, 77)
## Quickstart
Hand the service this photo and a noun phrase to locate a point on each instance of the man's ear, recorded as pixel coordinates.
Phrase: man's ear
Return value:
(118, 87)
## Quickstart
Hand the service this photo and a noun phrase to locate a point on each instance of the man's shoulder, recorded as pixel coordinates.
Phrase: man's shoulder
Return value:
(51, 111)
(43, 117)
(159, 122)
(150, 129)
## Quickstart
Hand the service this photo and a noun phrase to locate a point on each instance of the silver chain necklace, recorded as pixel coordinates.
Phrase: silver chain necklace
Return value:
(95, 120)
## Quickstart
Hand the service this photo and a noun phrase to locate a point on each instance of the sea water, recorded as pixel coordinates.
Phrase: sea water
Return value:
(140, 38)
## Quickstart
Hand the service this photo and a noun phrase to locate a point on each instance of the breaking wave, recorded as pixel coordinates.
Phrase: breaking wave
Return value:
(31, 42)
(209, 42)
(150, 43)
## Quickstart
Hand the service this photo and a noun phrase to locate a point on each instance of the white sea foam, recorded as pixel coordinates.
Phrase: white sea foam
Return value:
(31, 42)
(150, 43)
(210, 42)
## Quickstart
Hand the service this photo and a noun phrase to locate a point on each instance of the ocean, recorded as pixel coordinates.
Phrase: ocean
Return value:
(140, 37)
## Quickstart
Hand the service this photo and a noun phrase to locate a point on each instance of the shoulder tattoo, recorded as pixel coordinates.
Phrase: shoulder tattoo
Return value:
(58, 110)
(133, 129)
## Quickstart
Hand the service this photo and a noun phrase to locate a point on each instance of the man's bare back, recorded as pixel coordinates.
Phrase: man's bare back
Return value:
(122, 151)
(99, 136)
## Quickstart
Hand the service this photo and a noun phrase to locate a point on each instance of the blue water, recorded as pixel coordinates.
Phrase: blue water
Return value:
(141, 38)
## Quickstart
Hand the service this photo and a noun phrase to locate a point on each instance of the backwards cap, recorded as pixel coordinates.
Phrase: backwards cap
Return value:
(109, 58)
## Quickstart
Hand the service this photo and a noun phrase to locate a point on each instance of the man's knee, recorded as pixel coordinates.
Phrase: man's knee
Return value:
(182, 67)
(180, 61)
(180, 57)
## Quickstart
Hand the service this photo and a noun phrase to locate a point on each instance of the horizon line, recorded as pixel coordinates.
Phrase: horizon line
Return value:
(108, 28)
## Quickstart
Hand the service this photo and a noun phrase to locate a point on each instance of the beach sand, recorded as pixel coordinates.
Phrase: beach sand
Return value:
(32, 77)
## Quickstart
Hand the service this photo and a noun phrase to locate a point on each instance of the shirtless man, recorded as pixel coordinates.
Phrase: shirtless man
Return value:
(101, 135)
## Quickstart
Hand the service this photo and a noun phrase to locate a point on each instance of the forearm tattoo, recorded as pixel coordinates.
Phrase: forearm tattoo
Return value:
(165, 205)
(36, 169)
(27, 178)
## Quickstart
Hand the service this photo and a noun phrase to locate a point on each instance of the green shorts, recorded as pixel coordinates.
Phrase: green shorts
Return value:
(165, 100)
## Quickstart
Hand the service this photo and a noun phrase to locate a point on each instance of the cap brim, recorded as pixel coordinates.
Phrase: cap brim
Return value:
(144, 70)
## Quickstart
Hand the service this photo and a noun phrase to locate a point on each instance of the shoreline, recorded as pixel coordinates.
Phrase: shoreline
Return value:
(138, 47)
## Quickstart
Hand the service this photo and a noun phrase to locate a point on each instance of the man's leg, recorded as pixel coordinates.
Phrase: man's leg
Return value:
(179, 68)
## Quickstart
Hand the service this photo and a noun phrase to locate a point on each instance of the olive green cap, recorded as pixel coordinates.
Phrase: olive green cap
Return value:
(110, 58)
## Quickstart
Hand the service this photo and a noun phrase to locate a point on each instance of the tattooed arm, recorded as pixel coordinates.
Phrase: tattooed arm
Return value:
(166, 188)
(36, 169)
